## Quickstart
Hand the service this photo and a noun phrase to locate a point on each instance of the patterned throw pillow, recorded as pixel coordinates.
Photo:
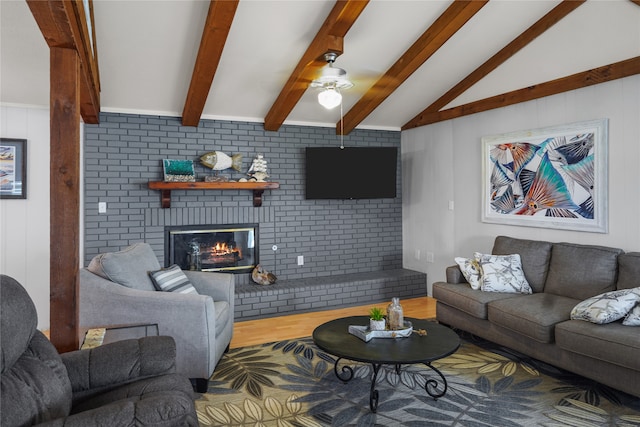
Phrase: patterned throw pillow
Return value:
(172, 279)
(633, 318)
(502, 273)
(471, 271)
(607, 307)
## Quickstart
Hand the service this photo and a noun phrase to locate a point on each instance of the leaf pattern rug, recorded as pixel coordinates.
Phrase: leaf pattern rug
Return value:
(292, 383)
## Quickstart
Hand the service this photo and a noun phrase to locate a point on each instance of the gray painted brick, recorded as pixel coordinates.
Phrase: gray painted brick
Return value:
(125, 151)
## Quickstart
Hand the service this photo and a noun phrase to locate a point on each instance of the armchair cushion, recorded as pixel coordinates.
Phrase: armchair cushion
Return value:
(129, 267)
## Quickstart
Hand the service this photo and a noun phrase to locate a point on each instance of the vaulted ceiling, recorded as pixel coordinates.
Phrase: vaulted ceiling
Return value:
(412, 62)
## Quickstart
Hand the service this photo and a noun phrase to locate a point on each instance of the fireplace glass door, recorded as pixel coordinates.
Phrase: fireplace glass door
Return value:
(228, 248)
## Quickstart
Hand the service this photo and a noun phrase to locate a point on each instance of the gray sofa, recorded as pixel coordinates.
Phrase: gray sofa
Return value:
(115, 289)
(130, 382)
(561, 275)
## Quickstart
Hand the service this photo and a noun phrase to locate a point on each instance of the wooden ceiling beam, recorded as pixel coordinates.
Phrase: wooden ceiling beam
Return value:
(450, 22)
(543, 24)
(214, 36)
(328, 39)
(63, 24)
(594, 76)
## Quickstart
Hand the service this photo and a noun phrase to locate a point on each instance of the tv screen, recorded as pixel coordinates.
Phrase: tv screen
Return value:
(351, 172)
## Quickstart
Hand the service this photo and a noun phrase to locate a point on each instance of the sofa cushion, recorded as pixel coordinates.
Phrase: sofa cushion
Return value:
(582, 271)
(607, 307)
(129, 267)
(611, 342)
(534, 255)
(628, 270)
(534, 316)
(462, 297)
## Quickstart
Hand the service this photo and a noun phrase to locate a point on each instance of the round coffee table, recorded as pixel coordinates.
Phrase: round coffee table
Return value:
(440, 341)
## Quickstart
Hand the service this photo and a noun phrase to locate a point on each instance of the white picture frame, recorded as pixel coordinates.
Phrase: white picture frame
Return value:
(553, 177)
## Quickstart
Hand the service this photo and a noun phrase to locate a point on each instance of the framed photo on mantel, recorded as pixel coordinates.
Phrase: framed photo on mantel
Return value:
(554, 177)
(13, 168)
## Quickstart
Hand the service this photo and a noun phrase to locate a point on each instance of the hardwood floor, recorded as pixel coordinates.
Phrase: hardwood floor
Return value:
(254, 332)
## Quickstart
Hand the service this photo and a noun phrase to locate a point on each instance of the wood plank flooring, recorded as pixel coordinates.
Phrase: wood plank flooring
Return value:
(254, 332)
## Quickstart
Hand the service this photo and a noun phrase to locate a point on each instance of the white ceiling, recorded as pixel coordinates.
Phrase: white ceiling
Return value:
(147, 50)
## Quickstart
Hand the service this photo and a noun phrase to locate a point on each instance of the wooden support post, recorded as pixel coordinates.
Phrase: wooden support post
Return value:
(65, 197)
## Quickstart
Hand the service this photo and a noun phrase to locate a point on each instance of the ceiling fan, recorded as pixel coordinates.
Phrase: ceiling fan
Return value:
(332, 80)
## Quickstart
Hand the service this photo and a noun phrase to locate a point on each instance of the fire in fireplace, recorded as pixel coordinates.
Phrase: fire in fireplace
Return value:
(230, 248)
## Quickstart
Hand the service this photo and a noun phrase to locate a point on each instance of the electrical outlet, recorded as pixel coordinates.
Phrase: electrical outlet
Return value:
(450, 205)
(102, 207)
(300, 259)
(430, 257)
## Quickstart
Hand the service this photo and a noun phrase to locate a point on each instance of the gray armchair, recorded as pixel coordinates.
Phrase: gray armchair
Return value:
(127, 383)
(116, 289)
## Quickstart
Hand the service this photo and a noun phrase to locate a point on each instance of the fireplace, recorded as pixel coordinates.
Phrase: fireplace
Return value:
(229, 248)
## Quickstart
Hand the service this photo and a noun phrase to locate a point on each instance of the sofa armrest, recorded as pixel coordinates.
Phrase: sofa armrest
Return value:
(189, 318)
(454, 275)
(120, 362)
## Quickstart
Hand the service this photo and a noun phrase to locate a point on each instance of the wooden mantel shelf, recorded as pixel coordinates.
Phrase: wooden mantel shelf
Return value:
(166, 187)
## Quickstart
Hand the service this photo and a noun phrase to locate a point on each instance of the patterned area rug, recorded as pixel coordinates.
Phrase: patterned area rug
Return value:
(292, 383)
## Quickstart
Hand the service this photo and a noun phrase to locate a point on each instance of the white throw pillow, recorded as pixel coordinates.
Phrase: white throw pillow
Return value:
(633, 318)
(470, 270)
(502, 273)
(607, 307)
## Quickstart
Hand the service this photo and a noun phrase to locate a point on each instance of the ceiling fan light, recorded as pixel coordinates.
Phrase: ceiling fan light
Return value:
(329, 98)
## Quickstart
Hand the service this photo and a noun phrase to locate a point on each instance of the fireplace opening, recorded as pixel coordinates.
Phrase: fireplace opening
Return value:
(229, 248)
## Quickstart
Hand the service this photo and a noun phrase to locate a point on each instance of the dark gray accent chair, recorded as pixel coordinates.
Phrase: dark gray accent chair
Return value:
(127, 383)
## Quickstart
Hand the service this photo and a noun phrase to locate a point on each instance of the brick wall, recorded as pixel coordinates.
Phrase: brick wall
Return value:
(124, 152)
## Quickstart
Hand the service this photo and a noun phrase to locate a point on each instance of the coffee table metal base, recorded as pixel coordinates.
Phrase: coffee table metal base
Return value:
(436, 342)
(345, 374)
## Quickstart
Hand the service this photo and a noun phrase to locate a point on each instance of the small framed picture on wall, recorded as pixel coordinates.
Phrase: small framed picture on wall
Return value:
(13, 168)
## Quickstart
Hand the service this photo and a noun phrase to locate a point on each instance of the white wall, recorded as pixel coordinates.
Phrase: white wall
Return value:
(24, 224)
(442, 163)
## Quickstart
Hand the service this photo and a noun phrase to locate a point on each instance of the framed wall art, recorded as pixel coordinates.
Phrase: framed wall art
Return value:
(13, 168)
(554, 177)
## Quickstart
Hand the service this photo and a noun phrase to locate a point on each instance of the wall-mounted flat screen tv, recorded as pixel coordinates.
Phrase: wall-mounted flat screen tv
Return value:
(350, 172)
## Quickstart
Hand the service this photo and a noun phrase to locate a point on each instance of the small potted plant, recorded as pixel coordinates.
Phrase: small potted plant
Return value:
(376, 319)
